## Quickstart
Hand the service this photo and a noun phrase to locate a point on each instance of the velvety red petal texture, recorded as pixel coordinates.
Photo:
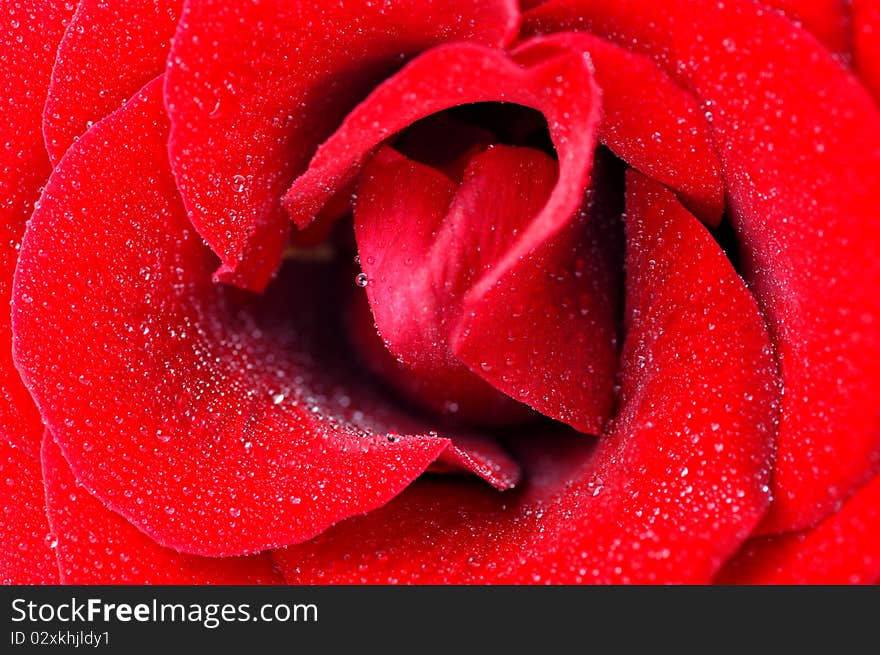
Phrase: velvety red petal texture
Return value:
(166, 391)
(827, 20)
(649, 121)
(247, 113)
(27, 50)
(789, 141)
(97, 546)
(866, 43)
(842, 549)
(26, 555)
(666, 496)
(109, 51)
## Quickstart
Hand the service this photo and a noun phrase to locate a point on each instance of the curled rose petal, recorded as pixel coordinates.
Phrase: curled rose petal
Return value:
(423, 244)
(163, 390)
(673, 489)
(109, 51)
(247, 113)
(556, 86)
(26, 555)
(842, 549)
(575, 388)
(97, 546)
(411, 272)
(648, 120)
(789, 142)
(28, 43)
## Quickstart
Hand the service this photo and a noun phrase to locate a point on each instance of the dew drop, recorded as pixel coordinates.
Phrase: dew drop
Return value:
(238, 183)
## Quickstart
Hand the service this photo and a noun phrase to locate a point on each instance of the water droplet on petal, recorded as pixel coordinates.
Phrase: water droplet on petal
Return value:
(238, 183)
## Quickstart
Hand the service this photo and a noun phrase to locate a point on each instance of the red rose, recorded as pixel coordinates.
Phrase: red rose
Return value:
(614, 316)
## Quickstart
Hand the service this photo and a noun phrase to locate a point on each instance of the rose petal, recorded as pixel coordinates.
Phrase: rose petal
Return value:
(793, 128)
(425, 374)
(423, 244)
(109, 51)
(26, 556)
(28, 44)
(253, 88)
(556, 87)
(544, 331)
(667, 496)
(866, 43)
(163, 390)
(97, 546)
(649, 121)
(842, 549)
(827, 20)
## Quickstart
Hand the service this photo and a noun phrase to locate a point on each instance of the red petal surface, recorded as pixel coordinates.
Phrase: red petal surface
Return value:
(866, 43)
(26, 556)
(517, 288)
(28, 42)
(253, 87)
(165, 391)
(842, 549)
(827, 20)
(667, 496)
(97, 546)
(109, 51)
(559, 87)
(793, 128)
(412, 275)
(423, 244)
(649, 121)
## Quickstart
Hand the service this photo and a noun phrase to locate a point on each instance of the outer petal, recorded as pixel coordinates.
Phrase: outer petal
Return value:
(842, 549)
(97, 546)
(666, 496)
(28, 41)
(253, 87)
(866, 43)
(165, 391)
(26, 556)
(793, 128)
(109, 51)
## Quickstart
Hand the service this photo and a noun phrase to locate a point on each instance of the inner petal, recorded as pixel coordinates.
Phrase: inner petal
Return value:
(424, 243)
